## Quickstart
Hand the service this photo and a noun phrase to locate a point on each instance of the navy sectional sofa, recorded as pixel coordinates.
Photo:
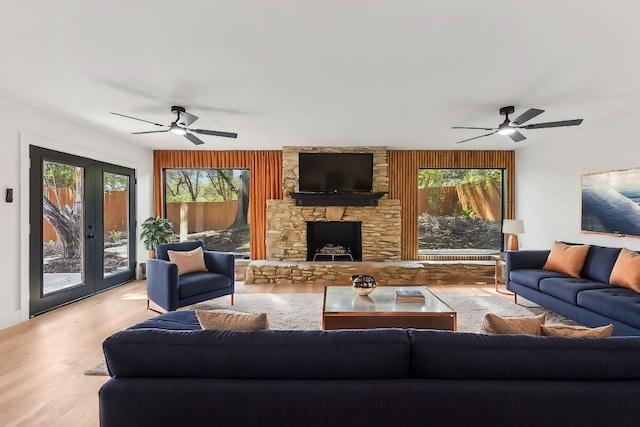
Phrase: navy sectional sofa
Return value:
(168, 372)
(588, 299)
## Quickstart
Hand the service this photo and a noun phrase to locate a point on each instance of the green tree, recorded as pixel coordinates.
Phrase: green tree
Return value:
(210, 185)
(64, 219)
(115, 182)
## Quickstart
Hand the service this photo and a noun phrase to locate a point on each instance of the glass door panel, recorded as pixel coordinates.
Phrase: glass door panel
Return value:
(62, 225)
(115, 223)
(115, 219)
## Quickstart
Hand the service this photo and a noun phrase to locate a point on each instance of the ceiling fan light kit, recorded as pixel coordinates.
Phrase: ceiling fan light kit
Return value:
(181, 125)
(177, 129)
(510, 127)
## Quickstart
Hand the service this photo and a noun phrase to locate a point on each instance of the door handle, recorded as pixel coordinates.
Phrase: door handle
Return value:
(90, 236)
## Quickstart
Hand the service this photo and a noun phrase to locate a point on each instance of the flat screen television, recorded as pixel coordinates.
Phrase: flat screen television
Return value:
(336, 172)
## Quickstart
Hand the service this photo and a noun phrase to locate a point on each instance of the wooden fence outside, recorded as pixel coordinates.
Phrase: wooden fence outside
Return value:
(115, 211)
(202, 216)
(484, 201)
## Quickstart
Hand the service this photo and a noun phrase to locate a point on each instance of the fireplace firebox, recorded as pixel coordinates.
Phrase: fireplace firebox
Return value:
(334, 241)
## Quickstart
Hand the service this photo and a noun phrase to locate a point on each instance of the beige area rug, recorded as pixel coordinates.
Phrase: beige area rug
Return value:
(304, 311)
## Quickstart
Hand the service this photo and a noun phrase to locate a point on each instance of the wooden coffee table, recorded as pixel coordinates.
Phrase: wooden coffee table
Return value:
(344, 309)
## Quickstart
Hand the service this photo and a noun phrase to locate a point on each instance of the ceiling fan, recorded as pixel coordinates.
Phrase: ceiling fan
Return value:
(181, 126)
(510, 127)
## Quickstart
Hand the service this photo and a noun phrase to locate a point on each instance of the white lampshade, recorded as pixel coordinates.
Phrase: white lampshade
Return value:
(512, 226)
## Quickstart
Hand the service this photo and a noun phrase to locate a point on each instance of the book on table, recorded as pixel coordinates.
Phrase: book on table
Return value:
(408, 295)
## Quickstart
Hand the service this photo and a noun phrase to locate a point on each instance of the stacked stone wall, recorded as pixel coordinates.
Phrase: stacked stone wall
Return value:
(290, 165)
(287, 228)
(404, 273)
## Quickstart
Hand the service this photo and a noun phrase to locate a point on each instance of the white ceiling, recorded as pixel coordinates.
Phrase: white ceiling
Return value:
(396, 73)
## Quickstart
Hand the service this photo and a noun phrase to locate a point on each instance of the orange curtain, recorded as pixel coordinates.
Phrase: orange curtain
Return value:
(265, 168)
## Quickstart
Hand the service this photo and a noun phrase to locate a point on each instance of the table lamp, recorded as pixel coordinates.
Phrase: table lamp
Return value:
(512, 227)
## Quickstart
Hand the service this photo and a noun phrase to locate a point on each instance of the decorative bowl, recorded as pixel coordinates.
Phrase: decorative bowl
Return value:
(363, 284)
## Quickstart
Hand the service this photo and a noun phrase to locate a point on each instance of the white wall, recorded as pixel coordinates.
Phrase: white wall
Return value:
(548, 179)
(20, 126)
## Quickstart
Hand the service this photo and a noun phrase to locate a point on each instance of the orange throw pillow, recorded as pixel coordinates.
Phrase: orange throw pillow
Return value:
(626, 270)
(231, 320)
(188, 261)
(494, 324)
(576, 331)
(567, 259)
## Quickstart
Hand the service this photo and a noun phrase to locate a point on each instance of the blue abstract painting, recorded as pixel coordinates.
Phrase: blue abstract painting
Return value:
(610, 202)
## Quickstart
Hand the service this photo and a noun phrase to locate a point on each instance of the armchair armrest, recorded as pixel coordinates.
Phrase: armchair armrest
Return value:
(525, 259)
(221, 263)
(162, 283)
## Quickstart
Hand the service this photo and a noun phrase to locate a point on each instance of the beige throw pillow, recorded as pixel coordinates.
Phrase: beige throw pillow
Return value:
(576, 331)
(626, 270)
(494, 324)
(567, 259)
(232, 320)
(188, 261)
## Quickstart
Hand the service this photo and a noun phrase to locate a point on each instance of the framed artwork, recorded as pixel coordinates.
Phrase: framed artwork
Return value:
(610, 202)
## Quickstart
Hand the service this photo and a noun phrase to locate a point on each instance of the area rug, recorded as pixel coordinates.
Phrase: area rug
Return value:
(304, 311)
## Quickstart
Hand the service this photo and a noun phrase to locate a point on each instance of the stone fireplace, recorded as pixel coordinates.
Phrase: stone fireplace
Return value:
(287, 233)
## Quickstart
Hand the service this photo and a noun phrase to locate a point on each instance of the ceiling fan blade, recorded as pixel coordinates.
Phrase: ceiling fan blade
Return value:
(194, 139)
(466, 127)
(526, 116)
(476, 137)
(186, 119)
(149, 131)
(215, 133)
(135, 118)
(562, 123)
(517, 136)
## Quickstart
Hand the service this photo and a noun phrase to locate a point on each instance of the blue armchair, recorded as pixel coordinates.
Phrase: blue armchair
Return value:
(171, 291)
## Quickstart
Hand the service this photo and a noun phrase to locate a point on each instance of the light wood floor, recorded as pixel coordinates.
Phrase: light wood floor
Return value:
(42, 360)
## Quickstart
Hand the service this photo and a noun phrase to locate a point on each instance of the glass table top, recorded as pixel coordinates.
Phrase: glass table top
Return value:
(341, 299)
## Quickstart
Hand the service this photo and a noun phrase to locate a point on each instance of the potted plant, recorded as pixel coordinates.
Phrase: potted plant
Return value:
(156, 231)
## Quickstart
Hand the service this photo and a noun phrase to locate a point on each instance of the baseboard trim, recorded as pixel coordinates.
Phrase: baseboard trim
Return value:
(10, 319)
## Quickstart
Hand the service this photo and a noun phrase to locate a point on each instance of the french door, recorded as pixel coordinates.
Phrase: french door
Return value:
(82, 228)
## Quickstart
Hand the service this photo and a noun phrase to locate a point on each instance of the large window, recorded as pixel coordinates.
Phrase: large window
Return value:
(460, 211)
(211, 205)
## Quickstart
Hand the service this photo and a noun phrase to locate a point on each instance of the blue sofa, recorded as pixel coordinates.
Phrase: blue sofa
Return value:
(168, 372)
(588, 299)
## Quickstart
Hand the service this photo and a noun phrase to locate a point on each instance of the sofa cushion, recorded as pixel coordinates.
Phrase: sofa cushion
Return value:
(626, 270)
(283, 354)
(599, 263)
(188, 261)
(568, 259)
(232, 320)
(576, 331)
(458, 355)
(185, 320)
(201, 282)
(613, 302)
(567, 288)
(494, 324)
(531, 277)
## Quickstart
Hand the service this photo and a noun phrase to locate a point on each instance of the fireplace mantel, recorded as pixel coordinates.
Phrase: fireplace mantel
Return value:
(336, 199)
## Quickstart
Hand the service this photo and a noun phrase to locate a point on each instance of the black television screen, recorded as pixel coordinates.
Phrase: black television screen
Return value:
(336, 172)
